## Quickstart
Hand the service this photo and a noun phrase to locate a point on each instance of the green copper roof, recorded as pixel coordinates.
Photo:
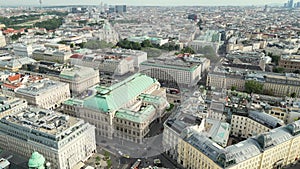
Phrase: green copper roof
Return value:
(137, 117)
(152, 99)
(36, 161)
(76, 71)
(114, 97)
(73, 102)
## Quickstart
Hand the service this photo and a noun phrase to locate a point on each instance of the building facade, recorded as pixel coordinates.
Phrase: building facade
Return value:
(274, 84)
(51, 55)
(45, 93)
(10, 105)
(173, 71)
(123, 110)
(79, 78)
(64, 141)
(274, 149)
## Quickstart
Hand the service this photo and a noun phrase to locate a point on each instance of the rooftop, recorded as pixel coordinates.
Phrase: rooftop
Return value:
(45, 121)
(244, 150)
(146, 114)
(40, 87)
(77, 72)
(112, 98)
(176, 64)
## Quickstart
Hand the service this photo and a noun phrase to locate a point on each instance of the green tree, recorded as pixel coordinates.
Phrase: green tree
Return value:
(278, 70)
(275, 58)
(199, 24)
(187, 50)
(146, 43)
(15, 37)
(293, 95)
(96, 44)
(252, 86)
(50, 24)
(233, 88)
(98, 160)
(297, 71)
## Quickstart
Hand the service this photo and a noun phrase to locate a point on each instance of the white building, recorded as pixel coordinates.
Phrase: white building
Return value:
(123, 110)
(2, 40)
(52, 55)
(24, 50)
(64, 141)
(10, 105)
(45, 93)
(173, 70)
(79, 78)
(117, 65)
(138, 56)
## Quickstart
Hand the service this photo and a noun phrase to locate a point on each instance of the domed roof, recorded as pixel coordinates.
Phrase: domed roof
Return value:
(107, 27)
(36, 161)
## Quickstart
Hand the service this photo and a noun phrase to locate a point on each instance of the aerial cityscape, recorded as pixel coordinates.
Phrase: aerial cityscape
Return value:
(149, 84)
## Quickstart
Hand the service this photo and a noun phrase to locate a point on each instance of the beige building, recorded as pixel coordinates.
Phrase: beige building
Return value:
(44, 93)
(287, 113)
(275, 84)
(174, 70)
(124, 110)
(290, 63)
(245, 123)
(112, 64)
(79, 78)
(64, 141)
(51, 55)
(252, 123)
(10, 105)
(274, 149)
(226, 81)
(60, 47)
(2, 40)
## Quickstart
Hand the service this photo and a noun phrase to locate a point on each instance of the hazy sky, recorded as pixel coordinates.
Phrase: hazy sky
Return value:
(143, 2)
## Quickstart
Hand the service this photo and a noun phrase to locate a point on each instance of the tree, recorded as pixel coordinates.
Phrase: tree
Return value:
(50, 24)
(16, 36)
(275, 58)
(252, 86)
(233, 88)
(72, 45)
(199, 24)
(146, 43)
(187, 50)
(96, 44)
(278, 70)
(297, 71)
(98, 160)
(293, 95)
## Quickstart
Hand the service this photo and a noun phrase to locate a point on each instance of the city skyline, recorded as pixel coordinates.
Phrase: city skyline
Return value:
(144, 2)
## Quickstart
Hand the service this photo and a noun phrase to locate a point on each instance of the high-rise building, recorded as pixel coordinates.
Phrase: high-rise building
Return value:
(120, 8)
